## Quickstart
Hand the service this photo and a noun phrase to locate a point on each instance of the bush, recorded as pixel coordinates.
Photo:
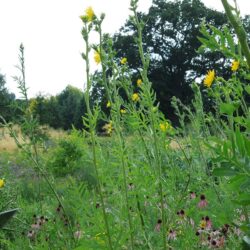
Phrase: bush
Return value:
(67, 155)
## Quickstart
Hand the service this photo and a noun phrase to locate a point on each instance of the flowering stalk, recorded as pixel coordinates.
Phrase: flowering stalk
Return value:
(124, 164)
(31, 130)
(92, 124)
(148, 96)
(116, 117)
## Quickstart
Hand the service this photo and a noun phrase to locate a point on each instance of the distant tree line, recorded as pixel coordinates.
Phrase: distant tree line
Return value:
(6, 99)
(170, 36)
(60, 111)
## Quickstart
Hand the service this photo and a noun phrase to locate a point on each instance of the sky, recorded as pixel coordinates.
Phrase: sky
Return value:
(50, 31)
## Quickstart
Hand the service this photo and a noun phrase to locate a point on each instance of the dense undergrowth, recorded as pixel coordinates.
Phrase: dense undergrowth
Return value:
(146, 185)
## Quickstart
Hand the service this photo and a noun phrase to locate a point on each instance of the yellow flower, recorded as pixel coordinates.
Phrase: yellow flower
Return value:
(209, 78)
(89, 14)
(97, 57)
(108, 104)
(99, 239)
(2, 183)
(123, 111)
(203, 224)
(139, 82)
(124, 60)
(235, 65)
(165, 126)
(108, 128)
(135, 97)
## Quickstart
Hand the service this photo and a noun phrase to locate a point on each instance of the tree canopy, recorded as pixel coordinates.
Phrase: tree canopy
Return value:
(6, 99)
(170, 36)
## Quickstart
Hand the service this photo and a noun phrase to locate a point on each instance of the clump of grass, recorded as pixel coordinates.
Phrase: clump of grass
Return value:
(7, 143)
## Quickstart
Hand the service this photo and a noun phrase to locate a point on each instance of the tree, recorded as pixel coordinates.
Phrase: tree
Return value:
(170, 36)
(61, 111)
(46, 110)
(6, 99)
(71, 106)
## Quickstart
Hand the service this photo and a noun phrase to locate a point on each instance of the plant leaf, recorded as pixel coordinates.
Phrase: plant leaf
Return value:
(224, 171)
(243, 199)
(227, 108)
(247, 88)
(6, 216)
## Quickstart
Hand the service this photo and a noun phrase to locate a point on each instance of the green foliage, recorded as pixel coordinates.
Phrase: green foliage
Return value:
(7, 202)
(172, 43)
(148, 185)
(71, 107)
(66, 156)
(70, 157)
(6, 216)
(6, 99)
(62, 111)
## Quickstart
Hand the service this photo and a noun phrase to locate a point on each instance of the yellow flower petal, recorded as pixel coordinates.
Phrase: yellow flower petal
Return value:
(97, 57)
(139, 82)
(235, 65)
(209, 78)
(124, 60)
(203, 224)
(108, 104)
(89, 14)
(108, 128)
(165, 126)
(2, 183)
(135, 97)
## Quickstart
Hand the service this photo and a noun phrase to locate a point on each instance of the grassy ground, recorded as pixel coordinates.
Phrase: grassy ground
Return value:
(8, 145)
(74, 180)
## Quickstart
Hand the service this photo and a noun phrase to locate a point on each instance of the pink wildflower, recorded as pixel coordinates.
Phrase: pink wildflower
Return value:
(203, 202)
(158, 225)
(31, 234)
(172, 235)
(78, 234)
(221, 242)
(192, 195)
(237, 231)
(131, 186)
(36, 226)
(191, 221)
(242, 217)
(225, 229)
(208, 223)
(181, 213)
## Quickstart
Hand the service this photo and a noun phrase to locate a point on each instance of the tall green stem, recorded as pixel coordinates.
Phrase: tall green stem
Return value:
(119, 134)
(93, 142)
(122, 145)
(145, 63)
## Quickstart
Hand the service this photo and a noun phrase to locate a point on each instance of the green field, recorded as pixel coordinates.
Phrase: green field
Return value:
(131, 178)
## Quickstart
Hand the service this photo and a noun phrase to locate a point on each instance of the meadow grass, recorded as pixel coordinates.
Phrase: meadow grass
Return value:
(8, 144)
(147, 185)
